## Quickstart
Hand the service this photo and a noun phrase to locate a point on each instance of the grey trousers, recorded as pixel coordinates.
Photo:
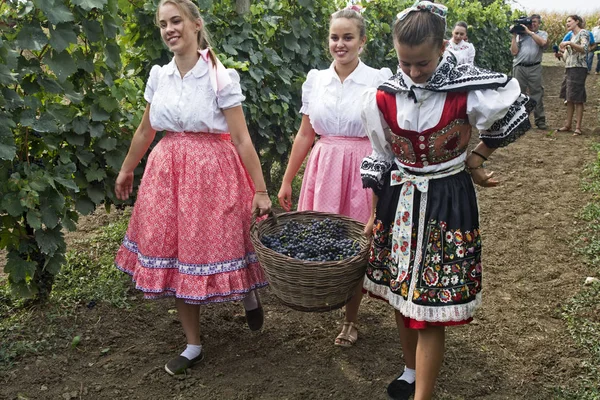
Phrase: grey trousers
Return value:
(530, 80)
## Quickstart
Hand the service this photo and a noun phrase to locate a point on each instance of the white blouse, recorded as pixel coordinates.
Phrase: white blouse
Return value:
(484, 107)
(334, 107)
(463, 51)
(189, 104)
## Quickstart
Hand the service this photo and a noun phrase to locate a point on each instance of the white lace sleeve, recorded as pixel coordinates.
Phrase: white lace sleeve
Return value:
(501, 115)
(380, 161)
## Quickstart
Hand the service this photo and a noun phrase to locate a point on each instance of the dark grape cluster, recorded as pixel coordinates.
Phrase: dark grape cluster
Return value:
(316, 240)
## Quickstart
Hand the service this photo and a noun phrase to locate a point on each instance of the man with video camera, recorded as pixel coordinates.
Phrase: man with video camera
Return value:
(527, 47)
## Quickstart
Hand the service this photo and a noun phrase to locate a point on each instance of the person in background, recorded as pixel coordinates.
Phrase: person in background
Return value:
(425, 257)
(594, 48)
(189, 233)
(330, 109)
(527, 49)
(573, 52)
(458, 45)
(590, 52)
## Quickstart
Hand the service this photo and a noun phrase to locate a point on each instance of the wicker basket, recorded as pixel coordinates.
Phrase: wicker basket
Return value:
(310, 286)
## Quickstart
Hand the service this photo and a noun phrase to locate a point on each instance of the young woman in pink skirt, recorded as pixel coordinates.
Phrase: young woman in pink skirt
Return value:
(188, 236)
(331, 110)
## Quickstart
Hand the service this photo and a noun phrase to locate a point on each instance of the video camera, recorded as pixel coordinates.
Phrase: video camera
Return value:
(519, 25)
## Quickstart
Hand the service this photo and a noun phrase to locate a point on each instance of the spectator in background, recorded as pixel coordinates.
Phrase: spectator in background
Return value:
(594, 34)
(572, 89)
(458, 45)
(590, 53)
(527, 49)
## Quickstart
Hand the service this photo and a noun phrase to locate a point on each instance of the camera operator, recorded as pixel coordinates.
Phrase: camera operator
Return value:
(527, 48)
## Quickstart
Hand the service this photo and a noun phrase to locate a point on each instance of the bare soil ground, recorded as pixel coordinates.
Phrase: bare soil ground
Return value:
(517, 347)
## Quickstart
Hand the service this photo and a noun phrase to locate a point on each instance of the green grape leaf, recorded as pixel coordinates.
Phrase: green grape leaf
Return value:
(62, 64)
(34, 219)
(19, 270)
(49, 240)
(56, 12)
(12, 204)
(8, 149)
(85, 206)
(31, 37)
(62, 36)
(49, 215)
(96, 193)
(88, 5)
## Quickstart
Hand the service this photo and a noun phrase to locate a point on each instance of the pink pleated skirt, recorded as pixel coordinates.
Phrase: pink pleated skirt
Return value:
(189, 234)
(332, 180)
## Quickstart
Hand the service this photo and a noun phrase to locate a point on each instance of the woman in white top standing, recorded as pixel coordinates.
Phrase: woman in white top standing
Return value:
(462, 50)
(188, 236)
(331, 110)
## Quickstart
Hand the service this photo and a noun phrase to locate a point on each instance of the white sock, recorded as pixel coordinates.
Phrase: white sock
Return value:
(408, 375)
(192, 351)
(250, 301)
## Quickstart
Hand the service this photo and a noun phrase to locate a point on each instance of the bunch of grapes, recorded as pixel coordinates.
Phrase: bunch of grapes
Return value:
(313, 241)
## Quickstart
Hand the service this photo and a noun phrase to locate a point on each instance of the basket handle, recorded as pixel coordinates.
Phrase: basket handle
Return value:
(270, 214)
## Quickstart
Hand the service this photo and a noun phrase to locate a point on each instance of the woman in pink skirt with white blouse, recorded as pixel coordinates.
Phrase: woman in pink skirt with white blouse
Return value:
(331, 110)
(189, 234)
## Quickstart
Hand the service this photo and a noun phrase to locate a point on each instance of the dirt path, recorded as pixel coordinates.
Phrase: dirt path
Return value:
(517, 348)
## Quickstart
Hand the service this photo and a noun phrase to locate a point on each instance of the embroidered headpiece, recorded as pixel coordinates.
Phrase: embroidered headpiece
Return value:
(434, 8)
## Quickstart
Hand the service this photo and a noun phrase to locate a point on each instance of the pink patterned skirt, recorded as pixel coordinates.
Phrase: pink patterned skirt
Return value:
(332, 180)
(189, 234)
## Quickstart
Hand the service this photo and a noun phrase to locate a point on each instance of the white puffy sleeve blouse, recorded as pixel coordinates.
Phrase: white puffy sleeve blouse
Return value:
(334, 108)
(190, 104)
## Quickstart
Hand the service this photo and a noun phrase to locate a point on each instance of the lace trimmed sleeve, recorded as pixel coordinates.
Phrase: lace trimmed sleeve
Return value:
(501, 115)
(374, 167)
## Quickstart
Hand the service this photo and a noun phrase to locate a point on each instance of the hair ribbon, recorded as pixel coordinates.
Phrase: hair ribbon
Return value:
(434, 8)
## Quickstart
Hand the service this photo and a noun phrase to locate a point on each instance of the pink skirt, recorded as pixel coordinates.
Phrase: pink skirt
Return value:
(189, 234)
(332, 180)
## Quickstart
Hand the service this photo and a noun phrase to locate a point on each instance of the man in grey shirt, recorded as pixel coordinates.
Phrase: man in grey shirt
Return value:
(527, 49)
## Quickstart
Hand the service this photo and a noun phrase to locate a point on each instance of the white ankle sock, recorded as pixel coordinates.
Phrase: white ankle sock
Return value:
(251, 301)
(192, 351)
(408, 375)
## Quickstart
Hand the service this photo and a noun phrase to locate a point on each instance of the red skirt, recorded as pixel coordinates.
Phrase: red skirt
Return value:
(189, 234)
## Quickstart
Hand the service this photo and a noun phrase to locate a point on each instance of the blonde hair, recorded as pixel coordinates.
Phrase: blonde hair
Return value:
(353, 15)
(191, 12)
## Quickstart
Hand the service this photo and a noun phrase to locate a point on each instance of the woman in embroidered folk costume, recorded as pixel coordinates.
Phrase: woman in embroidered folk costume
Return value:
(425, 257)
(188, 236)
(331, 110)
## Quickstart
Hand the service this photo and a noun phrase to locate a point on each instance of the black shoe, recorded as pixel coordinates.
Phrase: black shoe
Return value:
(399, 389)
(256, 317)
(542, 126)
(180, 364)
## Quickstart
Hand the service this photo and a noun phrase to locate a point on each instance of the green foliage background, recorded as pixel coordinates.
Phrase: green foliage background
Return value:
(72, 74)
